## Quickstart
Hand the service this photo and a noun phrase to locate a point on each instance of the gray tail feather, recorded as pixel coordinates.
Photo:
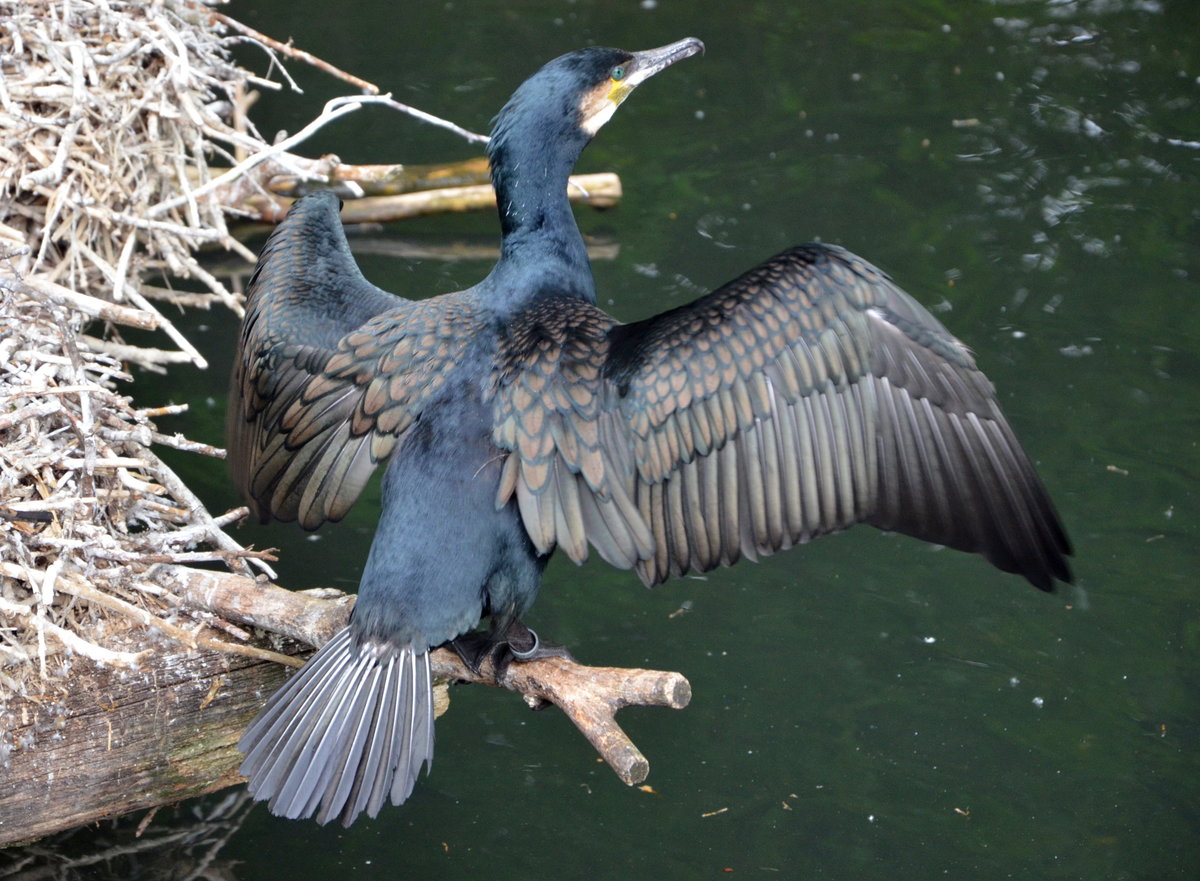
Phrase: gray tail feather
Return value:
(353, 726)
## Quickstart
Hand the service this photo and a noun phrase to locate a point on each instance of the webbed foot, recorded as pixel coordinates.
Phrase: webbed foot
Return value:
(474, 648)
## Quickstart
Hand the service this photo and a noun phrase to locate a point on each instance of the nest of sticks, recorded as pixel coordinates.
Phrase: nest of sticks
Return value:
(111, 115)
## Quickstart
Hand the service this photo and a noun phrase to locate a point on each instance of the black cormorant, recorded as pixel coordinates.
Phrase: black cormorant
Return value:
(515, 417)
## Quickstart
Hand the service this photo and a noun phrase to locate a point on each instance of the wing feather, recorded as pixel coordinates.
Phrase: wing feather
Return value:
(804, 397)
(331, 371)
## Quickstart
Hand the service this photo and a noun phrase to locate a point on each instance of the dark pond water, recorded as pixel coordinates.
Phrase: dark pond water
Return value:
(866, 707)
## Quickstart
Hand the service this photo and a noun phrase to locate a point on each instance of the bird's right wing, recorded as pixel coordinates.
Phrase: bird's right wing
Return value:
(330, 370)
(805, 396)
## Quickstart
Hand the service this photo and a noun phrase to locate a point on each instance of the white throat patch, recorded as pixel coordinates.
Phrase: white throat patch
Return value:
(596, 121)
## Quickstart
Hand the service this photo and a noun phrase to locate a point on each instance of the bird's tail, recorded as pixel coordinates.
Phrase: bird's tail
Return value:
(353, 726)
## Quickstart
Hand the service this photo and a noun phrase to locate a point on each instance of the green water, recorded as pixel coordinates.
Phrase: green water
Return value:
(866, 707)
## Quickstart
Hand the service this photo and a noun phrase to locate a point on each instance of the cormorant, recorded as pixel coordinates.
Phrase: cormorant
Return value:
(515, 417)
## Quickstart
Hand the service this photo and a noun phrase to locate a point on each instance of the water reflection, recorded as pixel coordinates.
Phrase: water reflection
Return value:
(173, 844)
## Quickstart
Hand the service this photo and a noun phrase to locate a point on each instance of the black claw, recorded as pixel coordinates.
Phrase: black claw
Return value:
(524, 645)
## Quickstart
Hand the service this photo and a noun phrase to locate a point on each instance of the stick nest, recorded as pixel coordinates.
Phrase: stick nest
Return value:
(110, 115)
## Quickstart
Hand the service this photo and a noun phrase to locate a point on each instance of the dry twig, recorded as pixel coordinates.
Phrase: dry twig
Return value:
(108, 111)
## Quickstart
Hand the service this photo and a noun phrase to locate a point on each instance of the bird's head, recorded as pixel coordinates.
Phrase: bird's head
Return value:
(571, 97)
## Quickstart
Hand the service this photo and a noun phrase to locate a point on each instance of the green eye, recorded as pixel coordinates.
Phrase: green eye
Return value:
(618, 73)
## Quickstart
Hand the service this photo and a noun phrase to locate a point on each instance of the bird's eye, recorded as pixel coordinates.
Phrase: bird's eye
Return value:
(618, 73)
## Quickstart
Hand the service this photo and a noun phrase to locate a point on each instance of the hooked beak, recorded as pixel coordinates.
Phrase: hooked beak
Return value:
(651, 61)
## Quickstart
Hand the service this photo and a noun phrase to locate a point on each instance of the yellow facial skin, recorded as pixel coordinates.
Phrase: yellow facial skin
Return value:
(601, 103)
(598, 106)
(618, 90)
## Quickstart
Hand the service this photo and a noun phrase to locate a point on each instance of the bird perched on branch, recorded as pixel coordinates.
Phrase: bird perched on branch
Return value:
(516, 417)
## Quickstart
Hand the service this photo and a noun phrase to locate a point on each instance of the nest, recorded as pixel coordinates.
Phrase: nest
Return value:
(111, 114)
(124, 147)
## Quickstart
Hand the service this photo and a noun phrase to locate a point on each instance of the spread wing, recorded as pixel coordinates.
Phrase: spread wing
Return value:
(807, 395)
(330, 370)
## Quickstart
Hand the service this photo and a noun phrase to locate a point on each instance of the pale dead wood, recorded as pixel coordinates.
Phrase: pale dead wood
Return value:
(156, 726)
(589, 696)
(386, 180)
(305, 616)
(111, 741)
(85, 505)
(94, 306)
(602, 190)
(292, 52)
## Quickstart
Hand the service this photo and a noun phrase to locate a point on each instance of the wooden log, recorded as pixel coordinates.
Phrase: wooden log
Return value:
(385, 180)
(590, 696)
(602, 190)
(105, 741)
(383, 193)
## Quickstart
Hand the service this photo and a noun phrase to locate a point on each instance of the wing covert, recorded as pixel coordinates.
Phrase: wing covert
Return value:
(805, 396)
(330, 370)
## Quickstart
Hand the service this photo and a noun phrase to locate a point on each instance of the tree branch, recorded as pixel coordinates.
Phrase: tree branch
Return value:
(590, 696)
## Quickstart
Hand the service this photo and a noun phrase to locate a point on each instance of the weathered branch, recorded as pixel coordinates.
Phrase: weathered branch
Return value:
(590, 696)
(166, 729)
(601, 190)
(291, 51)
(106, 742)
(95, 307)
(311, 617)
(384, 180)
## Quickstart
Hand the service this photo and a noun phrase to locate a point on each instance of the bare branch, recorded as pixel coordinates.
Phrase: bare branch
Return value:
(589, 696)
(388, 101)
(299, 54)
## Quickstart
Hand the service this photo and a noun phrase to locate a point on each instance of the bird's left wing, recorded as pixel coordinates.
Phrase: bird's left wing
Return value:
(805, 396)
(571, 467)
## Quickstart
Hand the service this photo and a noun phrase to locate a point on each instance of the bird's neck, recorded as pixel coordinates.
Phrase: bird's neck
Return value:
(542, 252)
